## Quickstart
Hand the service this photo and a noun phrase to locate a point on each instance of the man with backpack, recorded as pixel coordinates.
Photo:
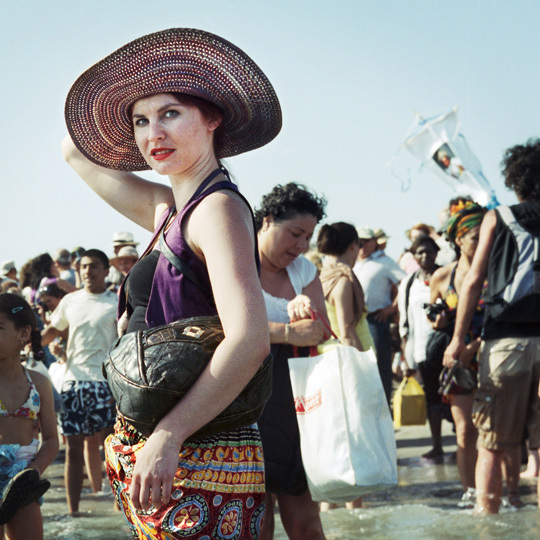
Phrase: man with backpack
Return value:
(507, 401)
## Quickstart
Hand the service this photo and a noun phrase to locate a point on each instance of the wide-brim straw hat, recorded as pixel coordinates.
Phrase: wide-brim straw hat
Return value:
(181, 60)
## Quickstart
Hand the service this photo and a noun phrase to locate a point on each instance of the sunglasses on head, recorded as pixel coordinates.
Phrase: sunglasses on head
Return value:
(47, 289)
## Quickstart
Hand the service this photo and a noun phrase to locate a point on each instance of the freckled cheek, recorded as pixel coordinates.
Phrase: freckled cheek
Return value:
(139, 141)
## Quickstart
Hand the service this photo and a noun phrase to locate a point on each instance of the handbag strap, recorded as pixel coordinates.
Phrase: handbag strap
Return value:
(316, 315)
(171, 256)
(180, 265)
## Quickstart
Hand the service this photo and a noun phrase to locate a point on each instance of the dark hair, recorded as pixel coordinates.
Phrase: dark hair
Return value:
(51, 289)
(288, 201)
(521, 169)
(459, 199)
(19, 312)
(335, 239)
(97, 254)
(40, 268)
(25, 274)
(424, 241)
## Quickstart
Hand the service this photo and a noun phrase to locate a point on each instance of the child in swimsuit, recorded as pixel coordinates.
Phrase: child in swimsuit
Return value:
(26, 399)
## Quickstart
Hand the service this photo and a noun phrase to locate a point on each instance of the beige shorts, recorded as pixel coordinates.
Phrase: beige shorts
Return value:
(507, 398)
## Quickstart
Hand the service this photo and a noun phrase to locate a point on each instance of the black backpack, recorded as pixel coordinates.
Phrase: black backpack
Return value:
(513, 291)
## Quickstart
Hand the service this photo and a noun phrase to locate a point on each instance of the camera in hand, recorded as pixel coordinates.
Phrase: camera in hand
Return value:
(432, 310)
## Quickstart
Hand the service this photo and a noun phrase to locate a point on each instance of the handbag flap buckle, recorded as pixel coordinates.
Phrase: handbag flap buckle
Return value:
(193, 331)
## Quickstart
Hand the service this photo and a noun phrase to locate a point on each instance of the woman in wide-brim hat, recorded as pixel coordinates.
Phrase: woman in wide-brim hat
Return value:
(178, 101)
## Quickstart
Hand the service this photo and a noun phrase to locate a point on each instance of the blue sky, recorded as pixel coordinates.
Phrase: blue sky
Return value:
(350, 76)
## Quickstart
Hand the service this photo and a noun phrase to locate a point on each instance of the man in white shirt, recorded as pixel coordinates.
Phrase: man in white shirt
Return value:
(379, 281)
(89, 409)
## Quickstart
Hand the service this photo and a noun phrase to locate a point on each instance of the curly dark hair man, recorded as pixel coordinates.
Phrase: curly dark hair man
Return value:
(521, 169)
(285, 202)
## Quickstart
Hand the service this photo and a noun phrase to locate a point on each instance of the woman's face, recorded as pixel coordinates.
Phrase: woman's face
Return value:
(171, 136)
(280, 242)
(425, 256)
(53, 271)
(50, 301)
(11, 338)
(469, 241)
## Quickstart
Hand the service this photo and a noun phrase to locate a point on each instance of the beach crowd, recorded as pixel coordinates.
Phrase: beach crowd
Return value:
(401, 308)
(458, 312)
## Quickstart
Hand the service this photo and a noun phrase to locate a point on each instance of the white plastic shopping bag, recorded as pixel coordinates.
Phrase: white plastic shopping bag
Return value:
(346, 431)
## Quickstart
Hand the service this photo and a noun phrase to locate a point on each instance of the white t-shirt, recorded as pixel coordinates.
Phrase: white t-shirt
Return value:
(419, 326)
(91, 319)
(301, 273)
(377, 279)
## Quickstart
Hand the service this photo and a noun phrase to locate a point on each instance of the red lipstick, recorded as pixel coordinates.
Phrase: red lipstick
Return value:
(161, 153)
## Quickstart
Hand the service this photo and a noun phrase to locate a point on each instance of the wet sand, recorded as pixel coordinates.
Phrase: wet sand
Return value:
(422, 506)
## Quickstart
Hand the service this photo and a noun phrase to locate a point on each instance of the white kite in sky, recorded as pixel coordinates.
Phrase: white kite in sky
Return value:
(444, 151)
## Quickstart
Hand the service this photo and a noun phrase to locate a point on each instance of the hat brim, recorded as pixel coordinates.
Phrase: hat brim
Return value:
(180, 60)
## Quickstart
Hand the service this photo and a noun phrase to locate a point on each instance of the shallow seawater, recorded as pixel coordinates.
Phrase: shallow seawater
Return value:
(423, 522)
(422, 507)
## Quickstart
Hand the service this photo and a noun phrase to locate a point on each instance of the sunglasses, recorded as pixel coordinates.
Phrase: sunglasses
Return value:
(48, 289)
(363, 241)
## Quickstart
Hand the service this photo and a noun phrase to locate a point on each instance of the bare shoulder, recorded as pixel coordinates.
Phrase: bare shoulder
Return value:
(224, 207)
(443, 272)
(441, 277)
(221, 223)
(343, 285)
(227, 199)
(39, 379)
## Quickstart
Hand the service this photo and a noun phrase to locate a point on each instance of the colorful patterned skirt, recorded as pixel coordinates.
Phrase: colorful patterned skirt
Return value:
(218, 490)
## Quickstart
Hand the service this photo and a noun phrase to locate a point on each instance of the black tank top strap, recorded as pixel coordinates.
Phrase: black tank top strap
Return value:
(206, 181)
(202, 186)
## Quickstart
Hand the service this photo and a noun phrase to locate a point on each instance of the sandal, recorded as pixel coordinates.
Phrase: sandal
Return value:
(24, 488)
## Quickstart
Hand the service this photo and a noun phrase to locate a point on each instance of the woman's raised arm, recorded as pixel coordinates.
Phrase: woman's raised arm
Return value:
(140, 200)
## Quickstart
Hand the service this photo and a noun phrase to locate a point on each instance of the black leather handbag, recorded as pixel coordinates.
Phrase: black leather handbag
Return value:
(149, 371)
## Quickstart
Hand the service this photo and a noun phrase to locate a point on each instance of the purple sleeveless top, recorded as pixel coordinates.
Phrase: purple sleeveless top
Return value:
(173, 296)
